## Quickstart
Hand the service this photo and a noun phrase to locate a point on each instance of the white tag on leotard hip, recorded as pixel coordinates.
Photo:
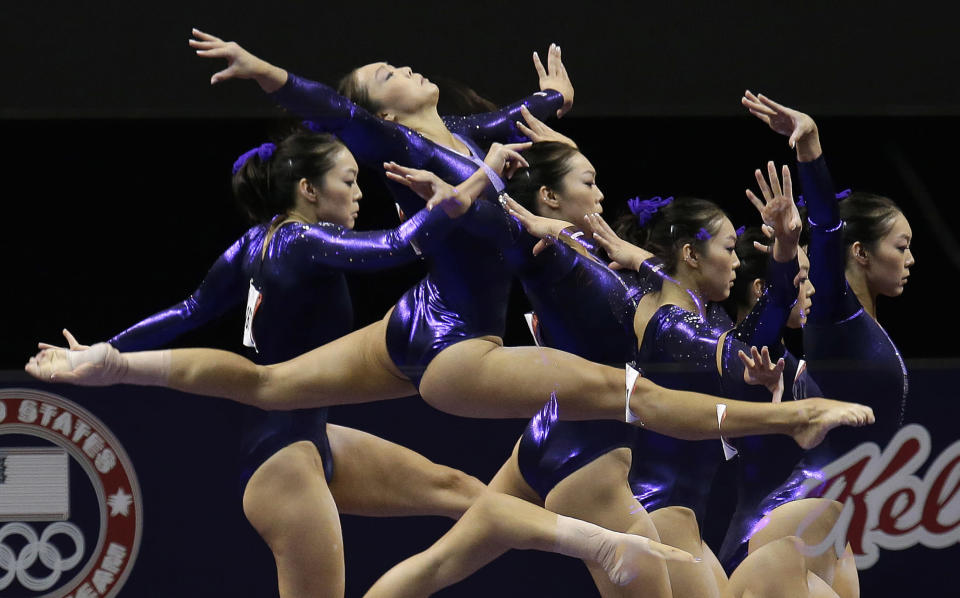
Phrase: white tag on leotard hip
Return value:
(729, 452)
(778, 391)
(800, 381)
(533, 323)
(253, 303)
(631, 379)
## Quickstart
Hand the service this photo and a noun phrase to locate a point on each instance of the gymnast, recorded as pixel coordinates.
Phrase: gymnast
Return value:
(859, 250)
(304, 192)
(465, 368)
(696, 243)
(764, 462)
(298, 472)
(574, 468)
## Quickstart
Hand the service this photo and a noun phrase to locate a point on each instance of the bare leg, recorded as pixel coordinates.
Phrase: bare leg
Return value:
(287, 501)
(496, 523)
(846, 581)
(599, 493)
(480, 378)
(810, 519)
(477, 378)
(678, 527)
(355, 368)
(713, 563)
(508, 480)
(777, 570)
(377, 478)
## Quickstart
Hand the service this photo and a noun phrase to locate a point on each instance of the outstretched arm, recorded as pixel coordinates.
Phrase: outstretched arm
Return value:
(555, 97)
(763, 326)
(798, 127)
(371, 139)
(823, 212)
(222, 288)
(308, 247)
(240, 63)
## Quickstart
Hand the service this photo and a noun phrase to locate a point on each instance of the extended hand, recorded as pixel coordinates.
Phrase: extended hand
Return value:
(545, 229)
(759, 370)
(778, 211)
(436, 191)
(621, 253)
(555, 77)
(796, 126)
(536, 130)
(240, 63)
(506, 159)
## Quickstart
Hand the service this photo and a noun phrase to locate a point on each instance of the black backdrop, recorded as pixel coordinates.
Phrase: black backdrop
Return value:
(114, 58)
(117, 154)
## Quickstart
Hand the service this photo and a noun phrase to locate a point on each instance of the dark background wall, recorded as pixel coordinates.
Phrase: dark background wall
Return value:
(121, 59)
(117, 153)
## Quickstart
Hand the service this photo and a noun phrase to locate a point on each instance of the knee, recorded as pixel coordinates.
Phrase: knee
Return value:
(491, 510)
(811, 518)
(777, 569)
(454, 488)
(466, 487)
(678, 527)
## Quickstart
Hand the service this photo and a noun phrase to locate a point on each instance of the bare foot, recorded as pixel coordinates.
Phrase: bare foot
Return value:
(819, 416)
(100, 365)
(633, 553)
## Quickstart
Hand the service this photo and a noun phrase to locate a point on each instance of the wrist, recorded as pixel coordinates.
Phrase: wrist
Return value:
(270, 78)
(475, 184)
(808, 146)
(784, 251)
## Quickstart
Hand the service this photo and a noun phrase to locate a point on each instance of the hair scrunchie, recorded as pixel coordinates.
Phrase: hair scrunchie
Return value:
(644, 209)
(264, 151)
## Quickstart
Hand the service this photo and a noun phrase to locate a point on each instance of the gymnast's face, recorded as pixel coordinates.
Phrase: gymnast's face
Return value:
(888, 262)
(577, 194)
(397, 90)
(716, 264)
(338, 194)
(802, 308)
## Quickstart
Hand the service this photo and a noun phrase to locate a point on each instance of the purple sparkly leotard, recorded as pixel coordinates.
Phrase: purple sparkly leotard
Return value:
(582, 307)
(770, 473)
(586, 309)
(853, 357)
(305, 303)
(675, 472)
(465, 292)
(766, 475)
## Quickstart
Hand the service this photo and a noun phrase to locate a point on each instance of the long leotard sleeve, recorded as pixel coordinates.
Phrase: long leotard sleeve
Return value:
(221, 289)
(371, 139)
(763, 326)
(494, 224)
(301, 248)
(826, 244)
(499, 125)
(331, 246)
(374, 140)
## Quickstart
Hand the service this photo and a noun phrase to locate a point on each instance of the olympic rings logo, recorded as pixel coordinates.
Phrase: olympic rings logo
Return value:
(17, 565)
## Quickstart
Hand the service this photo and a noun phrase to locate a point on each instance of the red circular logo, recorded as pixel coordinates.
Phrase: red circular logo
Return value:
(60, 538)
